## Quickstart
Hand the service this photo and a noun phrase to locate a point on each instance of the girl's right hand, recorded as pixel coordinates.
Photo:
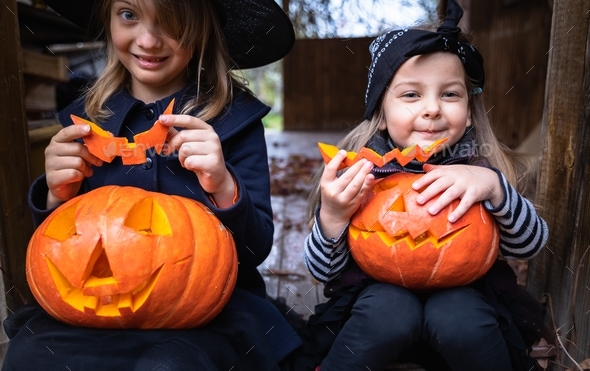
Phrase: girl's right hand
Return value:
(67, 163)
(342, 195)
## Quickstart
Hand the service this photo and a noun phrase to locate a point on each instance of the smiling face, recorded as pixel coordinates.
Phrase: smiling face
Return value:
(426, 100)
(155, 61)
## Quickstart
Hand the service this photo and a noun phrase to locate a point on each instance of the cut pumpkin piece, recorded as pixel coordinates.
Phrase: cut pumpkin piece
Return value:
(156, 136)
(100, 143)
(328, 151)
(403, 157)
(106, 147)
(132, 154)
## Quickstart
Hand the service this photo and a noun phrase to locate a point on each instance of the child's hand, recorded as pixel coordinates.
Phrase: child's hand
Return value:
(468, 183)
(67, 163)
(342, 196)
(199, 150)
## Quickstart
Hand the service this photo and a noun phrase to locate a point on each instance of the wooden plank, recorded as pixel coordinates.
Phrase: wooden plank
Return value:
(563, 192)
(44, 132)
(40, 96)
(270, 268)
(299, 288)
(324, 83)
(39, 139)
(48, 66)
(513, 40)
(16, 224)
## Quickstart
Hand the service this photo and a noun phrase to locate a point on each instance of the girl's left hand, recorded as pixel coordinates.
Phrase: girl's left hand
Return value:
(471, 184)
(199, 150)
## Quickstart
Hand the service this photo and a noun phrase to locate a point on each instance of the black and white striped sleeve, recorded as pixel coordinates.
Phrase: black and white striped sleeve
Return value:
(325, 258)
(523, 233)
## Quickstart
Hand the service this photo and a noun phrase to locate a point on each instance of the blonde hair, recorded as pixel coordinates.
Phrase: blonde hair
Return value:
(517, 168)
(195, 25)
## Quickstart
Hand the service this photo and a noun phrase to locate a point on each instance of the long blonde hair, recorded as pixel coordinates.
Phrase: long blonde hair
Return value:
(195, 25)
(517, 168)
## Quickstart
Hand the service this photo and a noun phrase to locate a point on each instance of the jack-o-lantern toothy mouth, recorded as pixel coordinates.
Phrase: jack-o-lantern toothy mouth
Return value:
(99, 295)
(413, 243)
(413, 236)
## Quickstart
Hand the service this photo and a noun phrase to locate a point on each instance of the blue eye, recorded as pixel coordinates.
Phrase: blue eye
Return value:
(127, 15)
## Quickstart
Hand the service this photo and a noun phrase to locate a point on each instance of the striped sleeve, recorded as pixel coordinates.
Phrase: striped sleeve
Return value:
(522, 232)
(325, 258)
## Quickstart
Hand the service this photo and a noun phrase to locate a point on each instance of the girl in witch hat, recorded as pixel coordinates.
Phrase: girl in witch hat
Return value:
(424, 85)
(159, 50)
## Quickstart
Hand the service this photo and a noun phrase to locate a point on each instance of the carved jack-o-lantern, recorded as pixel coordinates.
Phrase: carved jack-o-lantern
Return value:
(394, 239)
(122, 257)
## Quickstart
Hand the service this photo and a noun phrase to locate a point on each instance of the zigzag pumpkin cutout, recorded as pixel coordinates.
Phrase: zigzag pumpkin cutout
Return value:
(404, 156)
(106, 147)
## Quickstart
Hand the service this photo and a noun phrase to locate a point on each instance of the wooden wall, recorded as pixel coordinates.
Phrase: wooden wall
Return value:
(560, 273)
(16, 225)
(513, 37)
(324, 84)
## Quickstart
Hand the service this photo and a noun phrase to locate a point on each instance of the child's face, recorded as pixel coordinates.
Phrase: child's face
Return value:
(426, 100)
(156, 63)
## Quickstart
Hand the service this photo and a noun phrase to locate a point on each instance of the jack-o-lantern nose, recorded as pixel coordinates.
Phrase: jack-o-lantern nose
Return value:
(100, 281)
(102, 268)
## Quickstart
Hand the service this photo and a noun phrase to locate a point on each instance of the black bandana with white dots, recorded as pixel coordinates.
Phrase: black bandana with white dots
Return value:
(393, 48)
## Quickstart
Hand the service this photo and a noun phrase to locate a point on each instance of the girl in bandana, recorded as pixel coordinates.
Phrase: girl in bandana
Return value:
(423, 86)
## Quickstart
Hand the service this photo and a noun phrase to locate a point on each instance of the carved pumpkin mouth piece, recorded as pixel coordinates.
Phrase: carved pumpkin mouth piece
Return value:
(100, 296)
(105, 146)
(412, 242)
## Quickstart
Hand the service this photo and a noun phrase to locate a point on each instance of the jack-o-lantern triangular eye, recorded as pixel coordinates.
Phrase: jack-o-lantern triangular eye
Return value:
(399, 201)
(102, 268)
(63, 226)
(148, 217)
(399, 204)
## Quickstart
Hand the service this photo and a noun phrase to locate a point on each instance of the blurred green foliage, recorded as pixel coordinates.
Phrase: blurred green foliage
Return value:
(267, 85)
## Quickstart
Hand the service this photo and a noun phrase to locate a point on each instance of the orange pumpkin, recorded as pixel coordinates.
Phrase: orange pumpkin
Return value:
(123, 257)
(394, 239)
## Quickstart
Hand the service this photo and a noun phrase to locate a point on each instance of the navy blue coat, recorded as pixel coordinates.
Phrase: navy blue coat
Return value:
(248, 313)
(244, 148)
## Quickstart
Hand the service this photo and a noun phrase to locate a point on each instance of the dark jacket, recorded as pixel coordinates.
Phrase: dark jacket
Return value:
(250, 220)
(242, 138)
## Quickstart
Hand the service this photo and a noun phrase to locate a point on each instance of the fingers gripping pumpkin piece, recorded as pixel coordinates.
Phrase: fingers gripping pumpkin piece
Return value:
(105, 146)
(100, 143)
(156, 136)
(122, 257)
(394, 239)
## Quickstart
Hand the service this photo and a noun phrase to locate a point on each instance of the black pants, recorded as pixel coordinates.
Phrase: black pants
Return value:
(46, 344)
(233, 340)
(387, 320)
